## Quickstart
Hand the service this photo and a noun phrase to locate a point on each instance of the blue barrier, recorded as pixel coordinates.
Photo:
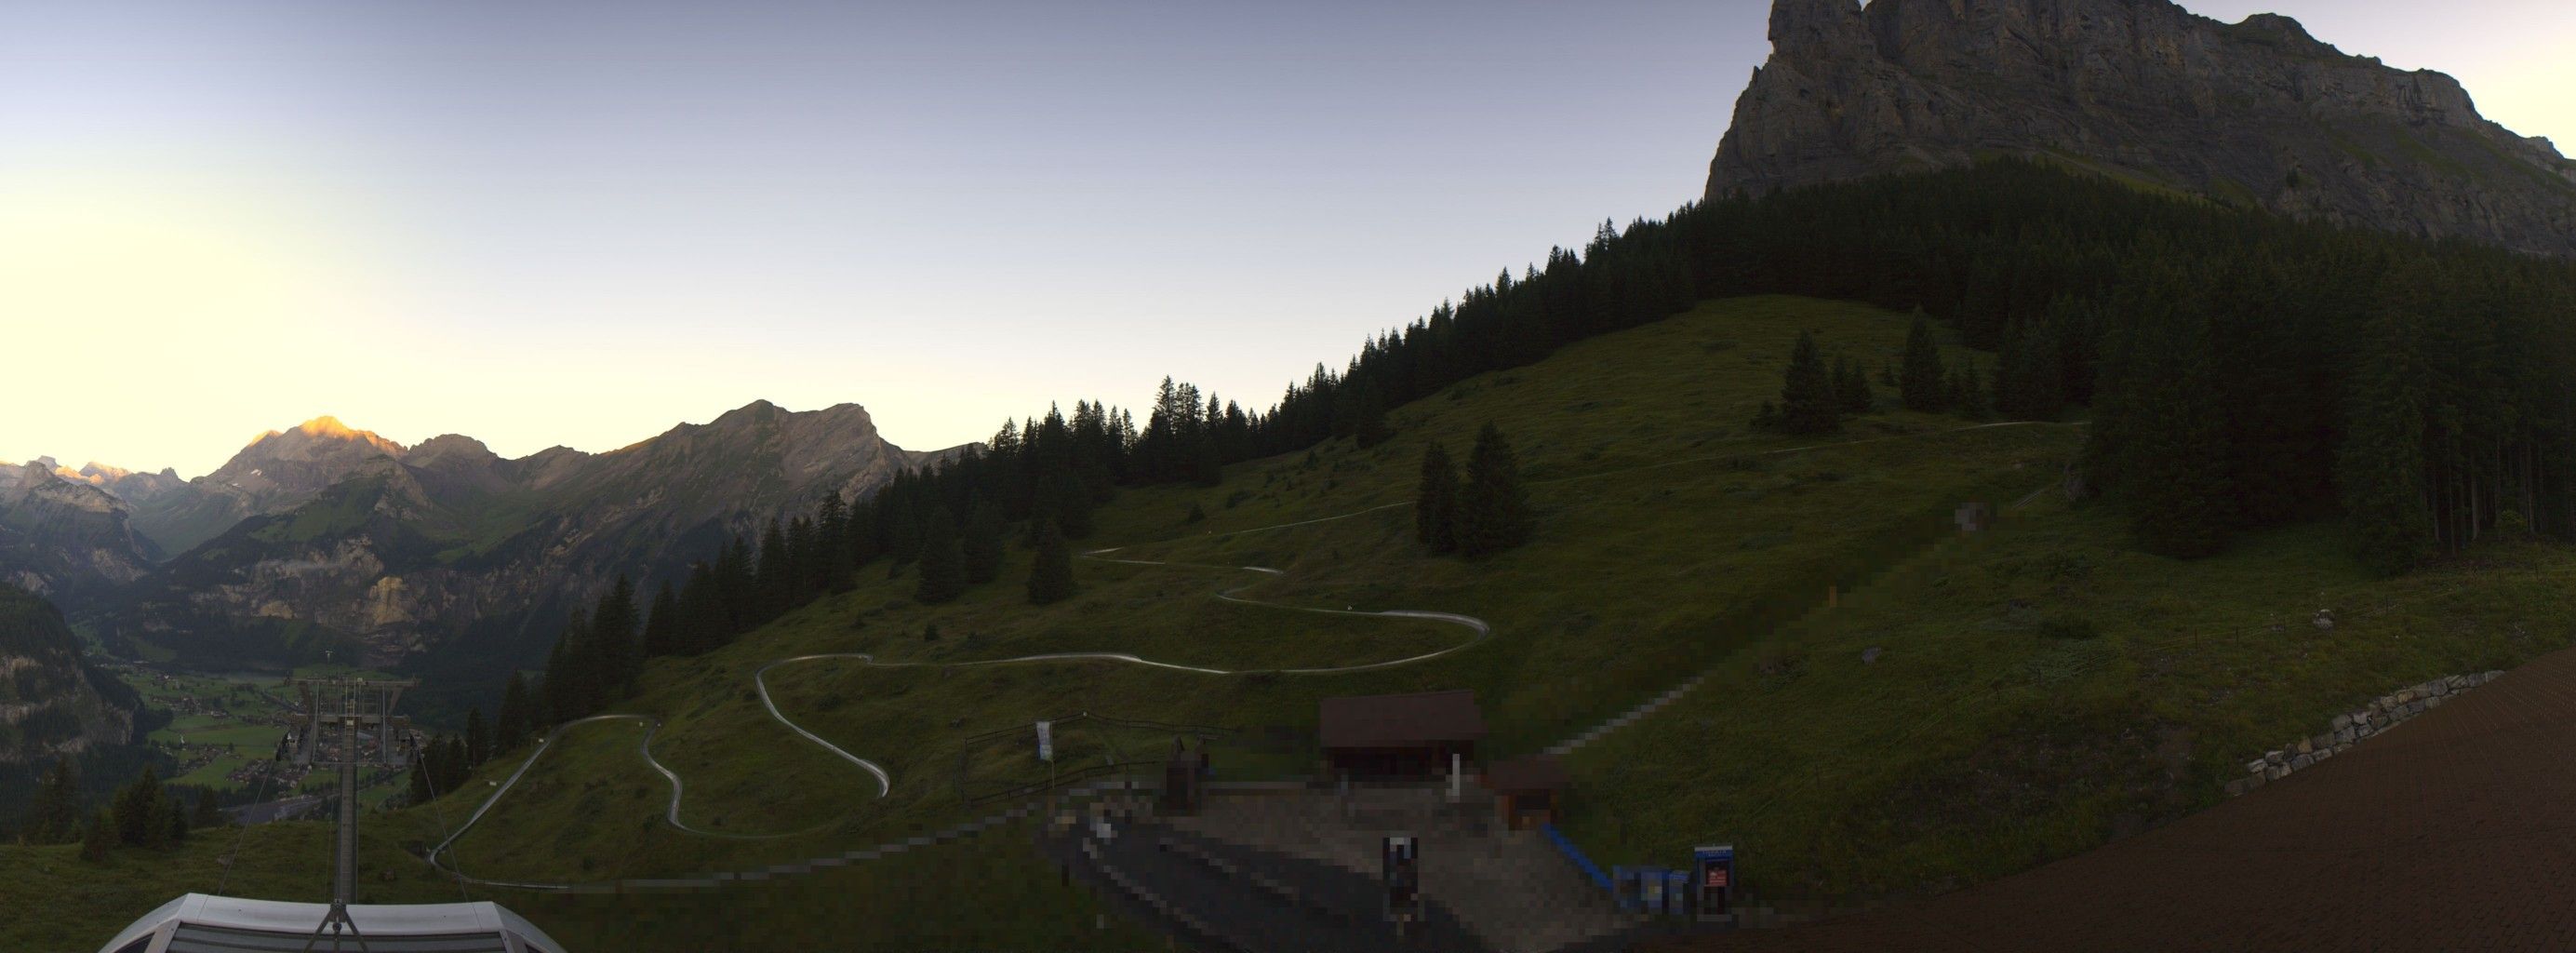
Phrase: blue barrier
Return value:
(1581, 862)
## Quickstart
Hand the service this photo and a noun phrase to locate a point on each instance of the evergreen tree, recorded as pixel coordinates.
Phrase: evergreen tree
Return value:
(2028, 380)
(2379, 472)
(1808, 403)
(478, 737)
(1368, 416)
(174, 822)
(571, 677)
(420, 779)
(141, 818)
(835, 560)
(53, 816)
(982, 546)
(612, 636)
(208, 814)
(662, 627)
(943, 560)
(1851, 388)
(1968, 396)
(904, 542)
(1435, 502)
(1051, 576)
(1493, 507)
(1073, 515)
(2176, 486)
(1924, 385)
(514, 722)
(777, 576)
(98, 834)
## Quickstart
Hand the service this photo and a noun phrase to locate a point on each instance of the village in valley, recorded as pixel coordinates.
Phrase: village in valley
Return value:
(223, 734)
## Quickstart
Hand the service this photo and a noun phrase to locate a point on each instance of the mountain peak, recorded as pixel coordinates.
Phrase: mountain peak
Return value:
(2258, 113)
(325, 430)
(328, 426)
(754, 412)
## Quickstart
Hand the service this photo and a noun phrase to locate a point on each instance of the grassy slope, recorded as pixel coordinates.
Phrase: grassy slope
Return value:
(1671, 539)
(1976, 745)
(1670, 532)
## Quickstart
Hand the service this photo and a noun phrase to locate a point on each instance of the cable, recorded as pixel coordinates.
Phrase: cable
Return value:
(430, 781)
(266, 777)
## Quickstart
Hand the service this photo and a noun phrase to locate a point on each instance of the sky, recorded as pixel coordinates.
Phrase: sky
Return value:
(581, 223)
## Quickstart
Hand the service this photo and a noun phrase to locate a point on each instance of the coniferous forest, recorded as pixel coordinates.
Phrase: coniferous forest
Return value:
(2242, 370)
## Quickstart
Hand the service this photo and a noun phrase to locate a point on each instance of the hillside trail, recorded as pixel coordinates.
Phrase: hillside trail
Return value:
(1480, 629)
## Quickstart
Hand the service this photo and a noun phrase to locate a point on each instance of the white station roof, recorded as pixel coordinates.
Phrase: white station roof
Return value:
(202, 923)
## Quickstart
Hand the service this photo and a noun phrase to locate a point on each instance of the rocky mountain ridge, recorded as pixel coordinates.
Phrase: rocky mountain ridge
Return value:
(2257, 113)
(446, 553)
(61, 535)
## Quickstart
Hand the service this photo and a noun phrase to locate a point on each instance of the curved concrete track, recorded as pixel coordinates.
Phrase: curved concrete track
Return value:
(1480, 629)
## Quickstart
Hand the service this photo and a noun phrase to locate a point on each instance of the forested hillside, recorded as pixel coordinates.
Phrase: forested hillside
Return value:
(2419, 391)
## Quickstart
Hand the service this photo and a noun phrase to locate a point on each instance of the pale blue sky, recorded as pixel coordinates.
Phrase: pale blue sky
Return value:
(580, 223)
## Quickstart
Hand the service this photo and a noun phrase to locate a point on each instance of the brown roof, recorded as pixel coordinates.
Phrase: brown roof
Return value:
(1401, 721)
(1536, 772)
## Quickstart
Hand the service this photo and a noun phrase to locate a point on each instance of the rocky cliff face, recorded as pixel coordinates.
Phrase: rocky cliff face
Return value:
(52, 701)
(2255, 113)
(65, 537)
(447, 549)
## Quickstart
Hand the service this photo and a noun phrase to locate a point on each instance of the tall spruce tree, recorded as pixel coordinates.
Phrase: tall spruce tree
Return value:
(1493, 507)
(98, 835)
(513, 723)
(53, 815)
(1808, 403)
(1968, 395)
(2179, 498)
(2379, 471)
(777, 576)
(612, 635)
(1435, 502)
(943, 560)
(1851, 388)
(478, 737)
(2029, 382)
(834, 561)
(662, 625)
(208, 814)
(1051, 575)
(1923, 383)
(1073, 512)
(419, 793)
(141, 818)
(982, 545)
(572, 672)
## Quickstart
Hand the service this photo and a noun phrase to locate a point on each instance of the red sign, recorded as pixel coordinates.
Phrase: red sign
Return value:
(1717, 876)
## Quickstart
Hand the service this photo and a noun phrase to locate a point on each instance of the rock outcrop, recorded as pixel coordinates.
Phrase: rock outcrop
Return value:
(2253, 113)
(52, 700)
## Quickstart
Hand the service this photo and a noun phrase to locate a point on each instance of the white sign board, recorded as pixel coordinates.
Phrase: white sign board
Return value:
(1046, 741)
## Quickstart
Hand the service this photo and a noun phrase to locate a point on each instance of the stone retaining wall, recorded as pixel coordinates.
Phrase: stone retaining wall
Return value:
(2349, 729)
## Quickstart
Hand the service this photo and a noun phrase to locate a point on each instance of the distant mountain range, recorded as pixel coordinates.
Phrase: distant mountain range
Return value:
(326, 537)
(2256, 113)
